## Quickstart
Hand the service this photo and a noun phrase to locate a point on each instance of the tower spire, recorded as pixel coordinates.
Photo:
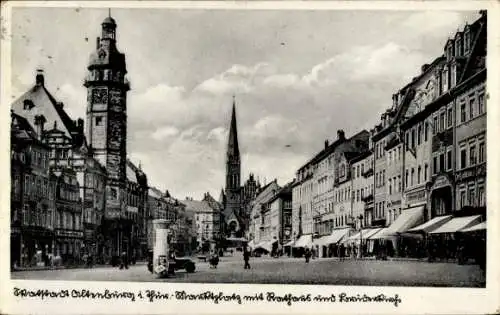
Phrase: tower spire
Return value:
(109, 12)
(233, 149)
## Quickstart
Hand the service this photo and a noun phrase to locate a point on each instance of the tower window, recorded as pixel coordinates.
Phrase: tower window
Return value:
(98, 121)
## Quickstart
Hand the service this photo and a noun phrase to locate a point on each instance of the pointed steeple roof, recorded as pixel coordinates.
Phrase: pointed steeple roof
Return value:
(233, 149)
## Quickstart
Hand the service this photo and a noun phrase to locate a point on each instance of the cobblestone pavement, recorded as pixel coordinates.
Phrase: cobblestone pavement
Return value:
(289, 271)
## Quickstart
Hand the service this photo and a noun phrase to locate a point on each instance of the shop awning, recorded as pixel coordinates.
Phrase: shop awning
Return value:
(336, 236)
(289, 244)
(406, 220)
(478, 227)
(364, 235)
(320, 241)
(431, 224)
(457, 224)
(304, 241)
(378, 235)
(251, 244)
(266, 245)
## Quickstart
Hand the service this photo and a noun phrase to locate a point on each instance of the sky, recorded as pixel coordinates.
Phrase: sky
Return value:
(297, 76)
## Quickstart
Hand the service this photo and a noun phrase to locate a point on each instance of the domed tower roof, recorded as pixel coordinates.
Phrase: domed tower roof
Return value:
(109, 21)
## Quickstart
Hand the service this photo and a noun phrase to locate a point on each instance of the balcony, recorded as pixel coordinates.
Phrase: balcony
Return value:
(470, 172)
(367, 199)
(367, 173)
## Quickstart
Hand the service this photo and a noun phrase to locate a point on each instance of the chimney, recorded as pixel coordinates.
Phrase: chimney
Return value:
(340, 134)
(326, 143)
(39, 123)
(98, 43)
(395, 99)
(80, 124)
(39, 79)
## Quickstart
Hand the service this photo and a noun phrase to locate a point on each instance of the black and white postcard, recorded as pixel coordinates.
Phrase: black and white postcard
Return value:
(249, 157)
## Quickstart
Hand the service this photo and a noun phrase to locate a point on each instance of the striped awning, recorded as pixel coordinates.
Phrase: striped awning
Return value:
(431, 224)
(458, 224)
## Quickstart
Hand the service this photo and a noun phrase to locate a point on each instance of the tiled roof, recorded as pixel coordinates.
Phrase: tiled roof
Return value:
(44, 104)
(155, 193)
(197, 206)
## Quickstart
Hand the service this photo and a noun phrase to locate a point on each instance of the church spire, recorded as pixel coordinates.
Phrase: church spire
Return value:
(233, 149)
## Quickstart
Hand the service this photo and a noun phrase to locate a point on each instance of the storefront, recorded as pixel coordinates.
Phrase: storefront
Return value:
(69, 246)
(441, 196)
(326, 246)
(396, 240)
(36, 246)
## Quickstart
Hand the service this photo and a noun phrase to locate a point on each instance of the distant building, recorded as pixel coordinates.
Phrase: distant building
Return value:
(206, 221)
(280, 217)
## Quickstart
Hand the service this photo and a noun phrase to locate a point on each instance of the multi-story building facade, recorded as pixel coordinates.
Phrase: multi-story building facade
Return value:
(362, 188)
(302, 210)
(259, 211)
(68, 216)
(206, 222)
(32, 197)
(458, 118)
(280, 218)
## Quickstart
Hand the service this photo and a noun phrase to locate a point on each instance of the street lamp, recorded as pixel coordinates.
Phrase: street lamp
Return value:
(360, 217)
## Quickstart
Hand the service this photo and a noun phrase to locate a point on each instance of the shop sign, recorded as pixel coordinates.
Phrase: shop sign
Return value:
(132, 209)
(465, 174)
(440, 182)
(415, 197)
(61, 233)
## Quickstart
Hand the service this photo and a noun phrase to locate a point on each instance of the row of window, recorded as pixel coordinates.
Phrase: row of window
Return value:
(415, 176)
(70, 247)
(68, 192)
(326, 226)
(359, 194)
(392, 215)
(472, 106)
(35, 186)
(380, 149)
(379, 210)
(90, 216)
(393, 155)
(37, 217)
(68, 221)
(472, 195)
(460, 46)
(417, 135)
(358, 170)
(60, 154)
(472, 152)
(380, 179)
(40, 159)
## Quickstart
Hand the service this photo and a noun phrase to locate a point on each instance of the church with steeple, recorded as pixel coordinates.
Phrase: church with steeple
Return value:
(236, 198)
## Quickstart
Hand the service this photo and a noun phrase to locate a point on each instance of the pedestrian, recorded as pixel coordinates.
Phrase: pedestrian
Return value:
(246, 258)
(307, 255)
(123, 261)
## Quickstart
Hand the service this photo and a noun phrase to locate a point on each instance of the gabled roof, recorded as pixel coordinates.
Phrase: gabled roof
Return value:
(135, 174)
(44, 104)
(155, 193)
(197, 206)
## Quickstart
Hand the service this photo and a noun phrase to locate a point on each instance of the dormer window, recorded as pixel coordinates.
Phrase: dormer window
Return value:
(28, 104)
(458, 46)
(467, 39)
(449, 50)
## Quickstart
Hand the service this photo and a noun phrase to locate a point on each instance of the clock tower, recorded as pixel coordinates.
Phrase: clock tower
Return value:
(106, 127)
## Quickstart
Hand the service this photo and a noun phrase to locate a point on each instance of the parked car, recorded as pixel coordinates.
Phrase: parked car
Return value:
(174, 264)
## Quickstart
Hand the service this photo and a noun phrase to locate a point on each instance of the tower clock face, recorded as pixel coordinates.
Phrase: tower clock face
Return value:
(99, 96)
